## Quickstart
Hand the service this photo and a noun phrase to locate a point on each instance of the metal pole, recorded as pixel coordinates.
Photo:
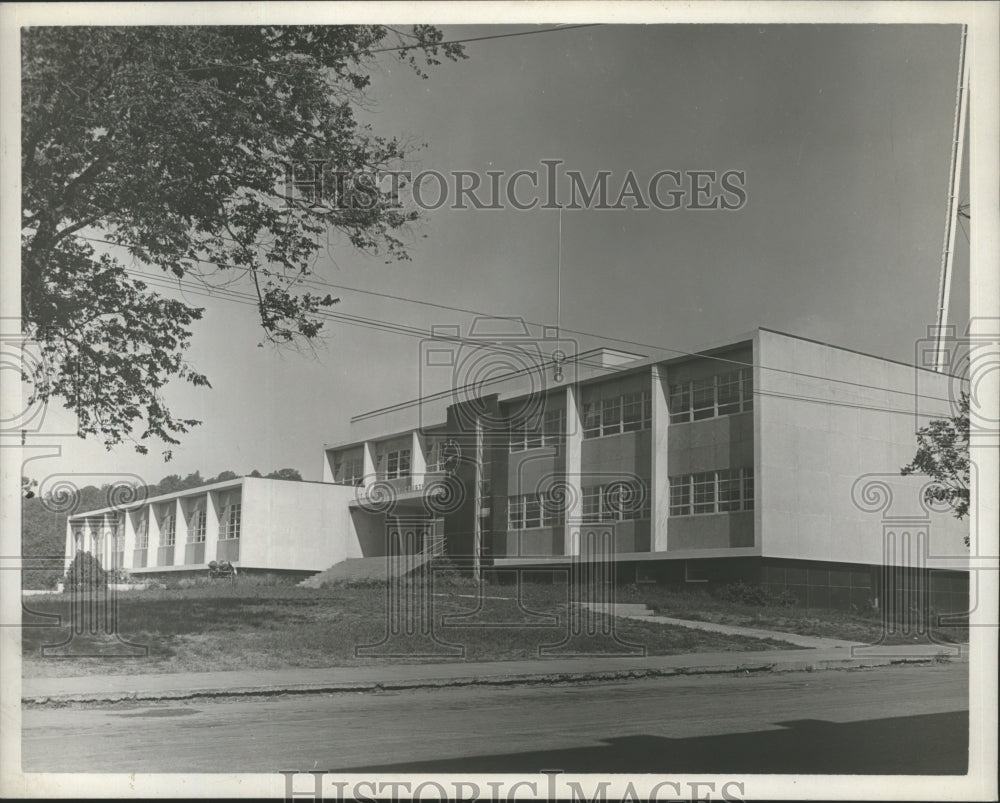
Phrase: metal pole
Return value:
(954, 183)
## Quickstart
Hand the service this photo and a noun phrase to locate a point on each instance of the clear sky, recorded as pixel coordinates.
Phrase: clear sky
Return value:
(843, 132)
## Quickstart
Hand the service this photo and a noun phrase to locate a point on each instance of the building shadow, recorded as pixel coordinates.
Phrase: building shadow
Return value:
(922, 744)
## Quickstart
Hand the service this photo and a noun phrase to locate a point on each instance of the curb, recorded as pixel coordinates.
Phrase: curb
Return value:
(545, 678)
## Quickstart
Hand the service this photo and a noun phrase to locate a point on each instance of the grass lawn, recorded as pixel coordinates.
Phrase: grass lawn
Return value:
(255, 626)
(866, 627)
(247, 626)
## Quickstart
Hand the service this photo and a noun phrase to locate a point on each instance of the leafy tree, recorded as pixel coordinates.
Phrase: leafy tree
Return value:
(943, 455)
(285, 474)
(170, 144)
(85, 572)
(43, 537)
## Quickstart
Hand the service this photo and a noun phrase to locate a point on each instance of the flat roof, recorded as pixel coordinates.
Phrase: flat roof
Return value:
(639, 364)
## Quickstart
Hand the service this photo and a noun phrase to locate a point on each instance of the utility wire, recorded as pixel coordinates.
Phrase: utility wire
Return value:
(481, 313)
(248, 300)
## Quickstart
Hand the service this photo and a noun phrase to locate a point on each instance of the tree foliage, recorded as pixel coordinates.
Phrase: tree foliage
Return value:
(86, 573)
(170, 144)
(943, 455)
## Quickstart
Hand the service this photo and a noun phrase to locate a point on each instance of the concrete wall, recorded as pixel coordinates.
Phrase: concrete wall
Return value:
(296, 525)
(818, 436)
(616, 457)
(712, 531)
(712, 444)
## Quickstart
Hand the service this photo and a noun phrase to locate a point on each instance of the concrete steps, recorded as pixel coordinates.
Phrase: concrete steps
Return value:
(348, 570)
(374, 569)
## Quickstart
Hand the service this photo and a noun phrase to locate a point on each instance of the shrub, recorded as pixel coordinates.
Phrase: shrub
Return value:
(745, 594)
(85, 574)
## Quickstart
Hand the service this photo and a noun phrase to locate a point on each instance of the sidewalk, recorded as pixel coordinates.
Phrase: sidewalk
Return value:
(111, 688)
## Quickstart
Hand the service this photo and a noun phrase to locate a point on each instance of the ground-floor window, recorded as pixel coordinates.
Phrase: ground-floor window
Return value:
(168, 532)
(616, 501)
(722, 491)
(196, 533)
(231, 523)
(535, 510)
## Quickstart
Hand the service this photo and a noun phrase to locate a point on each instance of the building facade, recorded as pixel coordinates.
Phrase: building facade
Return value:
(770, 459)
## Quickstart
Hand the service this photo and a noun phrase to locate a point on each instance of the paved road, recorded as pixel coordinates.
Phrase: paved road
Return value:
(889, 720)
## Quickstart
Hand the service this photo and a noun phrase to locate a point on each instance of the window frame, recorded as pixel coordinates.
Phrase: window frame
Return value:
(684, 493)
(681, 396)
(168, 533)
(598, 508)
(199, 526)
(228, 528)
(605, 416)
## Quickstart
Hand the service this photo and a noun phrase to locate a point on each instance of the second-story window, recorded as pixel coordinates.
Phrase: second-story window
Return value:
(397, 464)
(723, 394)
(612, 415)
(349, 471)
(545, 430)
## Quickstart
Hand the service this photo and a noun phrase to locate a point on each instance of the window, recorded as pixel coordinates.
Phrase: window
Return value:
(592, 503)
(349, 471)
(702, 400)
(680, 496)
(515, 513)
(729, 393)
(616, 501)
(637, 411)
(534, 510)
(612, 415)
(553, 427)
(723, 491)
(724, 394)
(591, 420)
(196, 532)
(436, 454)
(231, 521)
(397, 463)
(546, 430)
(168, 531)
(703, 492)
(680, 403)
(729, 490)
(78, 539)
(142, 534)
(96, 542)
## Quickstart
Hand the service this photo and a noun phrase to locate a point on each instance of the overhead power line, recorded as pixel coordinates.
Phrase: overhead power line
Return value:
(422, 334)
(373, 323)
